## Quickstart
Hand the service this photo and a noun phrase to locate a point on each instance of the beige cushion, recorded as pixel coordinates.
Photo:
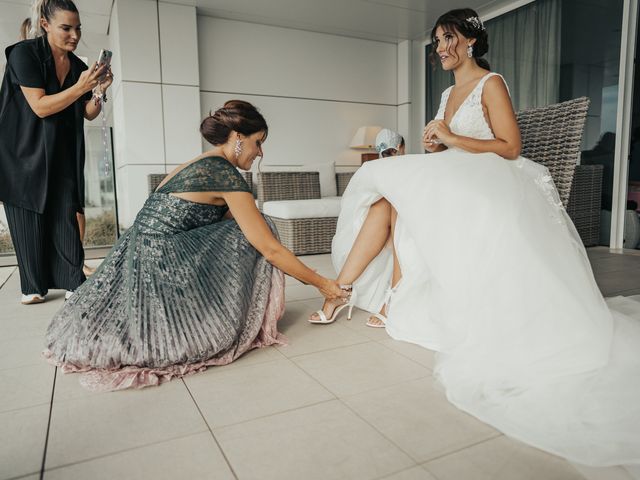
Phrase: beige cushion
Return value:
(314, 208)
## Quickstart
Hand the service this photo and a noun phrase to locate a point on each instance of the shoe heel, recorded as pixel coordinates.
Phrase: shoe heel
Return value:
(350, 312)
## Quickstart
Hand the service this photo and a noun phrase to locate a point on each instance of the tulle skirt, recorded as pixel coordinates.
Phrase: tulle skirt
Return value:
(496, 280)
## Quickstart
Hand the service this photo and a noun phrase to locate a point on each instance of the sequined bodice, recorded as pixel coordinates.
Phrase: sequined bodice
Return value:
(469, 119)
(209, 174)
(164, 214)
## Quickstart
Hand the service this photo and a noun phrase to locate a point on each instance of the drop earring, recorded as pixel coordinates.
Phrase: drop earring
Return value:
(469, 51)
(238, 148)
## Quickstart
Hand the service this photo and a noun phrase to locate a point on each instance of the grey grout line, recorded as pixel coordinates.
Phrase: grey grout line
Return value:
(282, 411)
(8, 276)
(215, 439)
(396, 472)
(382, 434)
(474, 444)
(118, 452)
(46, 441)
(331, 349)
(275, 414)
(406, 356)
(25, 408)
(26, 475)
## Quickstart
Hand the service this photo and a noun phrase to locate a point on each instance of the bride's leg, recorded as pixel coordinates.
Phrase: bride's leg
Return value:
(374, 321)
(371, 239)
(397, 272)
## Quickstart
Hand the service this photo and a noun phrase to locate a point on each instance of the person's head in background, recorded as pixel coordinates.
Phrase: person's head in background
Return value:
(389, 143)
(25, 28)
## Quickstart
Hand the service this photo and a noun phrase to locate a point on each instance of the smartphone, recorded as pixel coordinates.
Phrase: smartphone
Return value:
(104, 59)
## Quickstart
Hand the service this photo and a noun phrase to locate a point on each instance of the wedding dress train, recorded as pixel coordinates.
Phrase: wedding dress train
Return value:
(497, 281)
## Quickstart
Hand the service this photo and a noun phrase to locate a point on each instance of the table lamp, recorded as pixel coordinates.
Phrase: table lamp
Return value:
(365, 139)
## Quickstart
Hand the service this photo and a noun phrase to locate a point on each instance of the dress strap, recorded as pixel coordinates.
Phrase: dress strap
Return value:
(484, 79)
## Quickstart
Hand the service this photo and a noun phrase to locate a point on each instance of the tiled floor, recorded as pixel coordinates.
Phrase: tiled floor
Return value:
(340, 401)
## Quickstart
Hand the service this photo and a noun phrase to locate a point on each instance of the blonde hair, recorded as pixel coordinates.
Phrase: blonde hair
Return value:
(46, 9)
(25, 29)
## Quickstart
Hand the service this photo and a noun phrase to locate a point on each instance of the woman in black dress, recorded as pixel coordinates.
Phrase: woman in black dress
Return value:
(46, 95)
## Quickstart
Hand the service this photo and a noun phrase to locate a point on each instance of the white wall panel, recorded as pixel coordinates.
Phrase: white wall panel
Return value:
(404, 126)
(178, 44)
(138, 39)
(249, 58)
(404, 72)
(181, 106)
(309, 131)
(141, 124)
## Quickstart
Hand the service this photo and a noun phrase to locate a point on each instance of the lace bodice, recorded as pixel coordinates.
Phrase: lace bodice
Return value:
(469, 119)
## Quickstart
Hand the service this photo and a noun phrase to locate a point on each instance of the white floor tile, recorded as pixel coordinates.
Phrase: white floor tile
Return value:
(22, 440)
(6, 272)
(196, 457)
(359, 368)
(305, 337)
(94, 426)
(414, 473)
(419, 419)
(606, 473)
(502, 459)
(226, 397)
(359, 324)
(423, 356)
(325, 441)
(26, 386)
(21, 352)
(294, 293)
(16, 326)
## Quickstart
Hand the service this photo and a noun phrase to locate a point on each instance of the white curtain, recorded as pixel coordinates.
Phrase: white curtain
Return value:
(524, 46)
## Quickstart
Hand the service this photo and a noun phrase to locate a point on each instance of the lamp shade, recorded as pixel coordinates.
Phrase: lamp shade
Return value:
(365, 138)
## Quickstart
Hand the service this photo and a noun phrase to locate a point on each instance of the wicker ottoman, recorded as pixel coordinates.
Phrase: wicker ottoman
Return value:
(306, 227)
(306, 222)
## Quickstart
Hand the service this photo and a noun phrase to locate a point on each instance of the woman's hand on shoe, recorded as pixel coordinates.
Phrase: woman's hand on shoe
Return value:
(331, 290)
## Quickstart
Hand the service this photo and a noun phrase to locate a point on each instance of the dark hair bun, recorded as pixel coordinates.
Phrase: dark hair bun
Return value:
(481, 47)
(235, 116)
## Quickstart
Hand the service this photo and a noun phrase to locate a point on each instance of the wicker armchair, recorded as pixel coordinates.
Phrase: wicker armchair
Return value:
(552, 136)
(303, 236)
(585, 202)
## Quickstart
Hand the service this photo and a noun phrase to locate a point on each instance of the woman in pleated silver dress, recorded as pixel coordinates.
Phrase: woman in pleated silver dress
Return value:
(196, 281)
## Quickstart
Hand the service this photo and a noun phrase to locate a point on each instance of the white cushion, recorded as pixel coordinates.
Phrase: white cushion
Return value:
(327, 174)
(314, 208)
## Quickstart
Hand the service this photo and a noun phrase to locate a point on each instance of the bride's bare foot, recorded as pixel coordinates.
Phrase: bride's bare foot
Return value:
(330, 311)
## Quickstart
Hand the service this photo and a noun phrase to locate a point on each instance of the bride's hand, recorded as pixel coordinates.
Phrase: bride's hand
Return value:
(435, 130)
(427, 141)
(331, 290)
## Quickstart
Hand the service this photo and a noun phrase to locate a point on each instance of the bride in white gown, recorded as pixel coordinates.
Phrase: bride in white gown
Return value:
(491, 273)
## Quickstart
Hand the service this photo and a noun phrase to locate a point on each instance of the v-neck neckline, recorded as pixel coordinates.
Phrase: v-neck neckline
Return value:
(64, 79)
(463, 101)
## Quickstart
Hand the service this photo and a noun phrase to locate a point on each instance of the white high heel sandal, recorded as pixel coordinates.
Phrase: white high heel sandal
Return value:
(380, 316)
(336, 311)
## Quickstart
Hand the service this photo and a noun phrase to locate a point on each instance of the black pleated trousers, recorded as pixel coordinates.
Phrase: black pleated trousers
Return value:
(47, 245)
